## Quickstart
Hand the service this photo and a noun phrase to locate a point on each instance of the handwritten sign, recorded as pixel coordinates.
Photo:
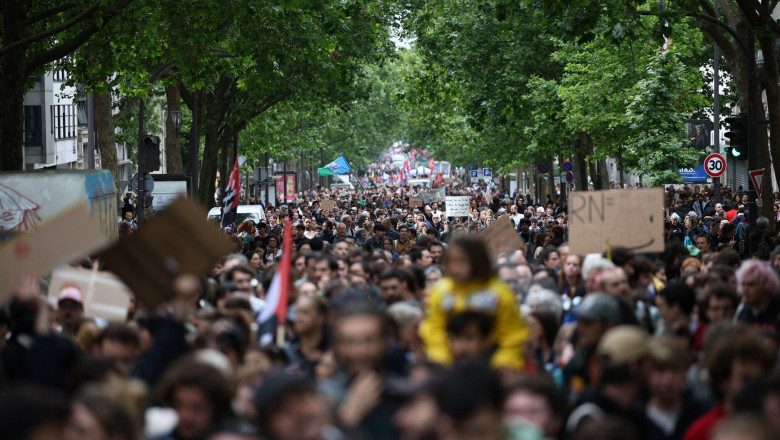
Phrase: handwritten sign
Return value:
(631, 219)
(436, 195)
(502, 238)
(105, 296)
(457, 206)
(415, 201)
(327, 204)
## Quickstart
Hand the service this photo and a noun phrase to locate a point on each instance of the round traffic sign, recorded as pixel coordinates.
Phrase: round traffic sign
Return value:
(567, 166)
(148, 183)
(544, 168)
(569, 176)
(715, 165)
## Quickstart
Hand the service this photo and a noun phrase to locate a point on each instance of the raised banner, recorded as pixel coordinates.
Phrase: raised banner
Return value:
(457, 206)
(631, 218)
(502, 238)
(70, 235)
(327, 204)
(436, 195)
(105, 295)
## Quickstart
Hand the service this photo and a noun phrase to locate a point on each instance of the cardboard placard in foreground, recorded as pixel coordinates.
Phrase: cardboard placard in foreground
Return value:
(458, 206)
(501, 237)
(327, 204)
(66, 237)
(105, 296)
(176, 241)
(630, 218)
(415, 201)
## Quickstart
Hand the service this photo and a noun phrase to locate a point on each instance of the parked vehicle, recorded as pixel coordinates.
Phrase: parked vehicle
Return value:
(255, 213)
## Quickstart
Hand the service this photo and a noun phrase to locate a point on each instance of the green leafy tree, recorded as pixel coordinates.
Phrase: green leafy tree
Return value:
(34, 34)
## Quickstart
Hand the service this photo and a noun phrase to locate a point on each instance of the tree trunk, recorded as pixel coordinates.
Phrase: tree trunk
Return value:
(564, 184)
(550, 185)
(172, 139)
(12, 81)
(594, 177)
(208, 169)
(763, 161)
(104, 122)
(604, 173)
(772, 87)
(580, 163)
(224, 144)
(621, 170)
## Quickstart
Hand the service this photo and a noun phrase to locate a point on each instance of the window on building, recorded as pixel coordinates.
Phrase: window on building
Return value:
(60, 69)
(60, 75)
(64, 121)
(33, 126)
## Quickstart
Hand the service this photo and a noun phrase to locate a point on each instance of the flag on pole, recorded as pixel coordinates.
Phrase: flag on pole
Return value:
(430, 165)
(439, 180)
(271, 320)
(230, 201)
(667, 40)
(338, 166)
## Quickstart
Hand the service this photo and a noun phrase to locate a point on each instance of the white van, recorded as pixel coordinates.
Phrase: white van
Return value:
(420, 182)
(341, 181)
(244, 212)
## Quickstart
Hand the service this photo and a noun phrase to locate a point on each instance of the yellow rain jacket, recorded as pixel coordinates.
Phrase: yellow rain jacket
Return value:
(495, 299)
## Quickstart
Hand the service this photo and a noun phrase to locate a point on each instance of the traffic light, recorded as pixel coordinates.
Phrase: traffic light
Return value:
(151, 152)
(737, 136)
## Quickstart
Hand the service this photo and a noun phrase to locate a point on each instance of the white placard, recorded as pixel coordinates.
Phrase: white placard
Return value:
(457, 206)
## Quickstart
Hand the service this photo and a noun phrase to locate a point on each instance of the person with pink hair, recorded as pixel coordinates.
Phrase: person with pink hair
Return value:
(758, 285)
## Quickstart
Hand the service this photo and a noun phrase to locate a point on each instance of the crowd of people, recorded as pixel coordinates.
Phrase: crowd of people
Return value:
(404, 324)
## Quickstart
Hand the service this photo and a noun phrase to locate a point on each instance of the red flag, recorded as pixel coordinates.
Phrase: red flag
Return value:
(230, 201)
(439, 180)
(430, 165)
(406, 166)
(276, 297)
(284, 268)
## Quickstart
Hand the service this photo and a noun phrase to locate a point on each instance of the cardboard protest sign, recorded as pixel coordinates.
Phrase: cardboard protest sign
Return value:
(178, 240)
(66, 237)
(436, 195)
(631, 219)
(502, 238)
(415, 201)
(327, 204)
(457, 206)
(105, 296)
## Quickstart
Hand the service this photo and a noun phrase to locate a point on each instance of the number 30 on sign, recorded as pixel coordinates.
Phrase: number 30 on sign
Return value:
(715, 165)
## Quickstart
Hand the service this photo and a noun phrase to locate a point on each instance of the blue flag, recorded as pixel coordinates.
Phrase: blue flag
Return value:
(338, 166)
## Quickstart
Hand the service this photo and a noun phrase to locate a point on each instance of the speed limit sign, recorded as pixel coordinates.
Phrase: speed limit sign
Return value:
(715, 165)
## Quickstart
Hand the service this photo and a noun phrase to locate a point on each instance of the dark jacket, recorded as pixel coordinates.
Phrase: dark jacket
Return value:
(691, 411)
(763, 320)
(595, 405)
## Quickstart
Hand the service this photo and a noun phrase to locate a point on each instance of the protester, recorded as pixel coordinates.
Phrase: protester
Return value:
(402, 322)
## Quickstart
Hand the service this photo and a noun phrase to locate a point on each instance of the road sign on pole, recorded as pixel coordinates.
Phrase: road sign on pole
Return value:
(544, 168)
(487, 172)
(474, 174)
(757, 176)
(715, 165)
